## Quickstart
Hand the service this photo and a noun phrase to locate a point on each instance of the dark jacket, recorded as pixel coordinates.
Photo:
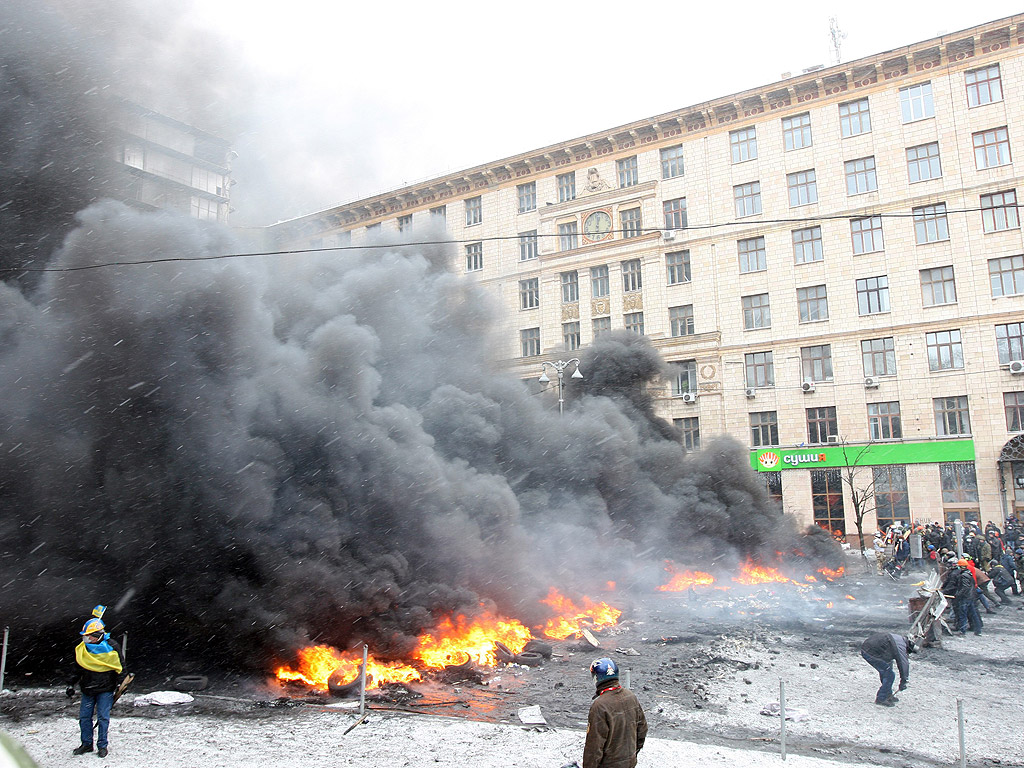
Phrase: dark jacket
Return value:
(967, 587)
(97, 682)
(951, 582)
(616, 728)
(1001, 577)
(888, 647)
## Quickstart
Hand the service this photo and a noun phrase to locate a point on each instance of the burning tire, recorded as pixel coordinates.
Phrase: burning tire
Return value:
(465, 663)
(340, 689)
(529, 659)
(187, 683)
(503, 652)
(539, 646)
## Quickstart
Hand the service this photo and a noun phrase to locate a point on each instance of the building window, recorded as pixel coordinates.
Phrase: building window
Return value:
(930, 225)
(860, 176)
(527, 196)
(803, 189)
(677, 267)
(884, 421)
(570, 287)
(983, 86)
(627, 172)
(529, 293)
(807, 245)
(1006, 275)
(601, 325)
(632, 279)
(681, 320)
(938, 286)
(568, 236)
(529, 341)
(959, 482)
(866, 234)
(440, 212)
(634, 321)
(827, 500)
(571, 335)
(773, 484)
(599, 283)
(1013, 404)
(945, 351)
(813, 303)
(684, 377)
(816, 362)
(528, 245)
(821, 424)
(879, 356)
(764, 428)
(757, 312)
(854, 118)
(566, 186)
(916, 102)
(744, 144)
(892, 501)
(752, 255)
(672, 162)
(474, 211)
(1010, 342)
(405, 223)
(675, 213)
(796, 131)
(951, 416)
(474, 257)
(631, 222)
(991, 148)
(760, 369)
(999, 211)
(689, 431)
(747, 198)
(873, 295)
(923, 162)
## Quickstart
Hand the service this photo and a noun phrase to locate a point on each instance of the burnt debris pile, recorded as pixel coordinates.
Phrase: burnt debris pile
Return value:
(243, 456)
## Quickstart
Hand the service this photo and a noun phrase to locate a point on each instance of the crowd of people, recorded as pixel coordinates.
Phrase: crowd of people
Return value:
(976, 572)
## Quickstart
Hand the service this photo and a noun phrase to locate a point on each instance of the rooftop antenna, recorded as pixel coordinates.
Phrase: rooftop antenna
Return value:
(837, 35)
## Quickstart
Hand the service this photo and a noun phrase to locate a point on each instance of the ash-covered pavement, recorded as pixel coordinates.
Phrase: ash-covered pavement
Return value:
(723, 656)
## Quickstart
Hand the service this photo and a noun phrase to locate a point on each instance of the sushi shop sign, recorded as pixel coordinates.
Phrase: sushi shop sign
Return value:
(864, 455)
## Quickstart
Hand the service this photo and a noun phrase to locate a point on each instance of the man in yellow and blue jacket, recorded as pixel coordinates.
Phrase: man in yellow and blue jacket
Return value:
(98, 666)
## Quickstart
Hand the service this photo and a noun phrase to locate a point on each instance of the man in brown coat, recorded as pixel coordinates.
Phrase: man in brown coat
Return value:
(616, 727)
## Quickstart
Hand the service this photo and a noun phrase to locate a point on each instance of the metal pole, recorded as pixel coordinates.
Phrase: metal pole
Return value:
(625, 679)
(3, 658)
(362, 685)
(958, 528)
(782, 717)
(560, 400)
(960, 728)
(124, 647)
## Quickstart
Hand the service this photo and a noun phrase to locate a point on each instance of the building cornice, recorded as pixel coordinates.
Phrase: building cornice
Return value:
(845, 81)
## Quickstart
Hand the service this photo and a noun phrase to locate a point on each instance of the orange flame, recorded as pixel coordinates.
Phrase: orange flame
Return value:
(453, 640)
(758, 574)
(318, 663)
(828, 604)
(851, 597)
(830, 574)
(571, 617)
(683, 580)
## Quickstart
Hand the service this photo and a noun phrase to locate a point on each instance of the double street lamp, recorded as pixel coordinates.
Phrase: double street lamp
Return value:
(559, 366)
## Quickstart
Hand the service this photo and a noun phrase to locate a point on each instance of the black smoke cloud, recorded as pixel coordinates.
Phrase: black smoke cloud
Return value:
(248, 455)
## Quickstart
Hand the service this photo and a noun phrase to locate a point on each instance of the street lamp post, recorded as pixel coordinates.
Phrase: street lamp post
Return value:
(559, 367)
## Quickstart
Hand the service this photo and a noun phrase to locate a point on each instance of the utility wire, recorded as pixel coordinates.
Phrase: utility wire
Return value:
(496, 238)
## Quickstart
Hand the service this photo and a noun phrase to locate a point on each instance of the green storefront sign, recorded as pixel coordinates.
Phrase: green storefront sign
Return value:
(873, 454)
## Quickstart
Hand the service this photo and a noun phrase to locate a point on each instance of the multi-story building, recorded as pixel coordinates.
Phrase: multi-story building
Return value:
(831, 265)
(171, 165)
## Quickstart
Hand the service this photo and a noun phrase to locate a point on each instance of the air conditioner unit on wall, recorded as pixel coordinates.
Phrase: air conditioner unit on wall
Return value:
(689, 397)
(807, 386)
(750, 392)
(871, 382)
(668, 234)
(1017, 367)
(833, 438)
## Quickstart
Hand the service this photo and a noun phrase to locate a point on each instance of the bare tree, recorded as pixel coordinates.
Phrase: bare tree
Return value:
(837, 36)
(862, 494)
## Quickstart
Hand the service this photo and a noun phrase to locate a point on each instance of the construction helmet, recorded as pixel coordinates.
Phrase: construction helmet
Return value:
(604, 669)
(93, 627)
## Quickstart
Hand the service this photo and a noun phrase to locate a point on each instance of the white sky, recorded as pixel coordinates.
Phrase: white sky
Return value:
(363, 97)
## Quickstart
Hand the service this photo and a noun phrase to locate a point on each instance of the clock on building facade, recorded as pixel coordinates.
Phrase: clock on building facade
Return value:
(597, 227)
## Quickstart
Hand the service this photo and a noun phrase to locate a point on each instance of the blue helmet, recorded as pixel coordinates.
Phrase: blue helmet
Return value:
(604, 669)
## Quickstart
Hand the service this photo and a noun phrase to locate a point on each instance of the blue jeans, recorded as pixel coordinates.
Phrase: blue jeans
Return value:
(885, 673)
(101, 702)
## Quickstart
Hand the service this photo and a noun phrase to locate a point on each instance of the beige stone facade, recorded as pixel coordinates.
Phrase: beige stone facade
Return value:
(858, 223)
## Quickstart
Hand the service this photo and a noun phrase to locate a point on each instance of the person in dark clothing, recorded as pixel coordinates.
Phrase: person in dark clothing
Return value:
(880, 650)
(98, 666)
(1010, 565)
(616, 726)
(967, 598)
(1001, 581)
